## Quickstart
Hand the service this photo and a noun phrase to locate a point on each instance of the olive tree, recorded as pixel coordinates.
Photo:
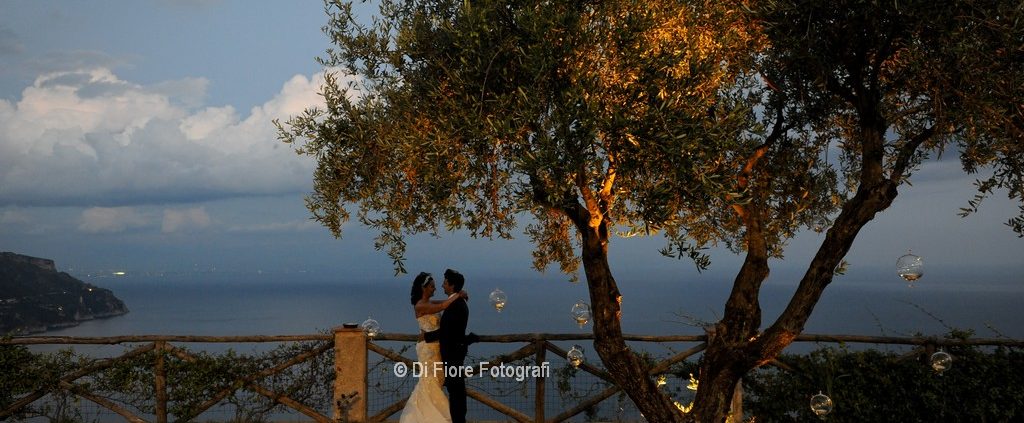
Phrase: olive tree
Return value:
(887, 85)
(707, 122)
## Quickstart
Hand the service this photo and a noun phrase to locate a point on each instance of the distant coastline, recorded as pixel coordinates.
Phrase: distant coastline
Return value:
(36, 298)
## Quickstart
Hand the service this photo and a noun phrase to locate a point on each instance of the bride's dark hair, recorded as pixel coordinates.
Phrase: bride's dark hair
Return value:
(417, 287)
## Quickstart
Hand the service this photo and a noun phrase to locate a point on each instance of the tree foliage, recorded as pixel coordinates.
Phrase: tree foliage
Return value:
(462, 114)
(931, 76)
(708, 122)
(467, 113)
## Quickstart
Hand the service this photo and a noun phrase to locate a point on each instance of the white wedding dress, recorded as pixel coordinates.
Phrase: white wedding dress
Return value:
(427, 403)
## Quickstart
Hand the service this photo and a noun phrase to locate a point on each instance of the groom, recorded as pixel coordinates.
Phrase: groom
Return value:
(454, 343)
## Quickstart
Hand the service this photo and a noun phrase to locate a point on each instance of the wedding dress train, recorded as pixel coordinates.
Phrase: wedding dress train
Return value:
(427, 403)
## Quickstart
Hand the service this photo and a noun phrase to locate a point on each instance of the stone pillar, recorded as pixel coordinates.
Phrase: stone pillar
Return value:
(349, 374)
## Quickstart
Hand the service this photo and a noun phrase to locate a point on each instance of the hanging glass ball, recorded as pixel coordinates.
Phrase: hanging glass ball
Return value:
(370, 327)
(581, 312)
(575, 355)
(821, 404)
(941, 361)
(910, 267)
(498, 299)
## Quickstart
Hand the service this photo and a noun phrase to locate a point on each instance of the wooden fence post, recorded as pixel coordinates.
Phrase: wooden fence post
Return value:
(350, 358)
(541, 346)
(160, 378)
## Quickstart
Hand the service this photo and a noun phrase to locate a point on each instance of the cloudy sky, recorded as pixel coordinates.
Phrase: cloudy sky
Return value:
(137, 135)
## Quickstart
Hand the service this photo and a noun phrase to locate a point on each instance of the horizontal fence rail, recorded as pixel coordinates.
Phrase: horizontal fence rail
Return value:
(114, 340)
(352, 372)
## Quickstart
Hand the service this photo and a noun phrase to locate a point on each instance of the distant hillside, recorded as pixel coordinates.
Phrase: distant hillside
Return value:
(35, 297)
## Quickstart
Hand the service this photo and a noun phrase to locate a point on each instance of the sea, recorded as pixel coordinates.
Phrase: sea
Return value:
(234, 304)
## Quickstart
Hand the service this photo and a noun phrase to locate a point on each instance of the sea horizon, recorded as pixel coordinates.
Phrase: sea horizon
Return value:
(286, 304)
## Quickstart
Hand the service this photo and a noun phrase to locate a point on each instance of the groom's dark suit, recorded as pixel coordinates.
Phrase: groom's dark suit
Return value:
(454, 346)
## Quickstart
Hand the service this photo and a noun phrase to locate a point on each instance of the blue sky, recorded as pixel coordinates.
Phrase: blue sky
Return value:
(137, 135)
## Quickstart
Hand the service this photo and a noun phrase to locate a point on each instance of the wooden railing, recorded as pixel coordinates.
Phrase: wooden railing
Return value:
(161, 345)
(351, 350)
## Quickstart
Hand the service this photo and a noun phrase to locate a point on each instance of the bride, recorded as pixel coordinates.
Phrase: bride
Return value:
(427, 402)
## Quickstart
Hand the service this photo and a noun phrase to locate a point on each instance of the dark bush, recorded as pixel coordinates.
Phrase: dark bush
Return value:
(983, 385)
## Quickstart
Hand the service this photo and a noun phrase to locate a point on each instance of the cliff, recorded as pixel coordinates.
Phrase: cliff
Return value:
(35, 297)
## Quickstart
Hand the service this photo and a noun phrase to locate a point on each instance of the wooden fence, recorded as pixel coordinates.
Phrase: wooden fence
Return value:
(351, 350)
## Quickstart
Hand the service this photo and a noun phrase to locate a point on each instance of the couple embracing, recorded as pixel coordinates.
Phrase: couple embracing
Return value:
(443, 341)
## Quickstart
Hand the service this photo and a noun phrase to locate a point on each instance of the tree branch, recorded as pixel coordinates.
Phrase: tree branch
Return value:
(872, 144)
(881, 55)
(594, 216)
(907, 152)
(742, 317)
(744, 178)
(605, 194)
(857, 212)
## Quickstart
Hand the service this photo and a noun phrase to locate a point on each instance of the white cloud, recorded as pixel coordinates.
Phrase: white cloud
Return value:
(205, 122)
(111, 219)
(90, 138)
(185, 220)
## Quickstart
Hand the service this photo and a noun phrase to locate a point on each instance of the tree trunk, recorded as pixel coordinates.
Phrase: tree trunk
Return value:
(626, 368)
(726, 361)
(722, 369)
(728, 357)
(718, 380)
(734, 348)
